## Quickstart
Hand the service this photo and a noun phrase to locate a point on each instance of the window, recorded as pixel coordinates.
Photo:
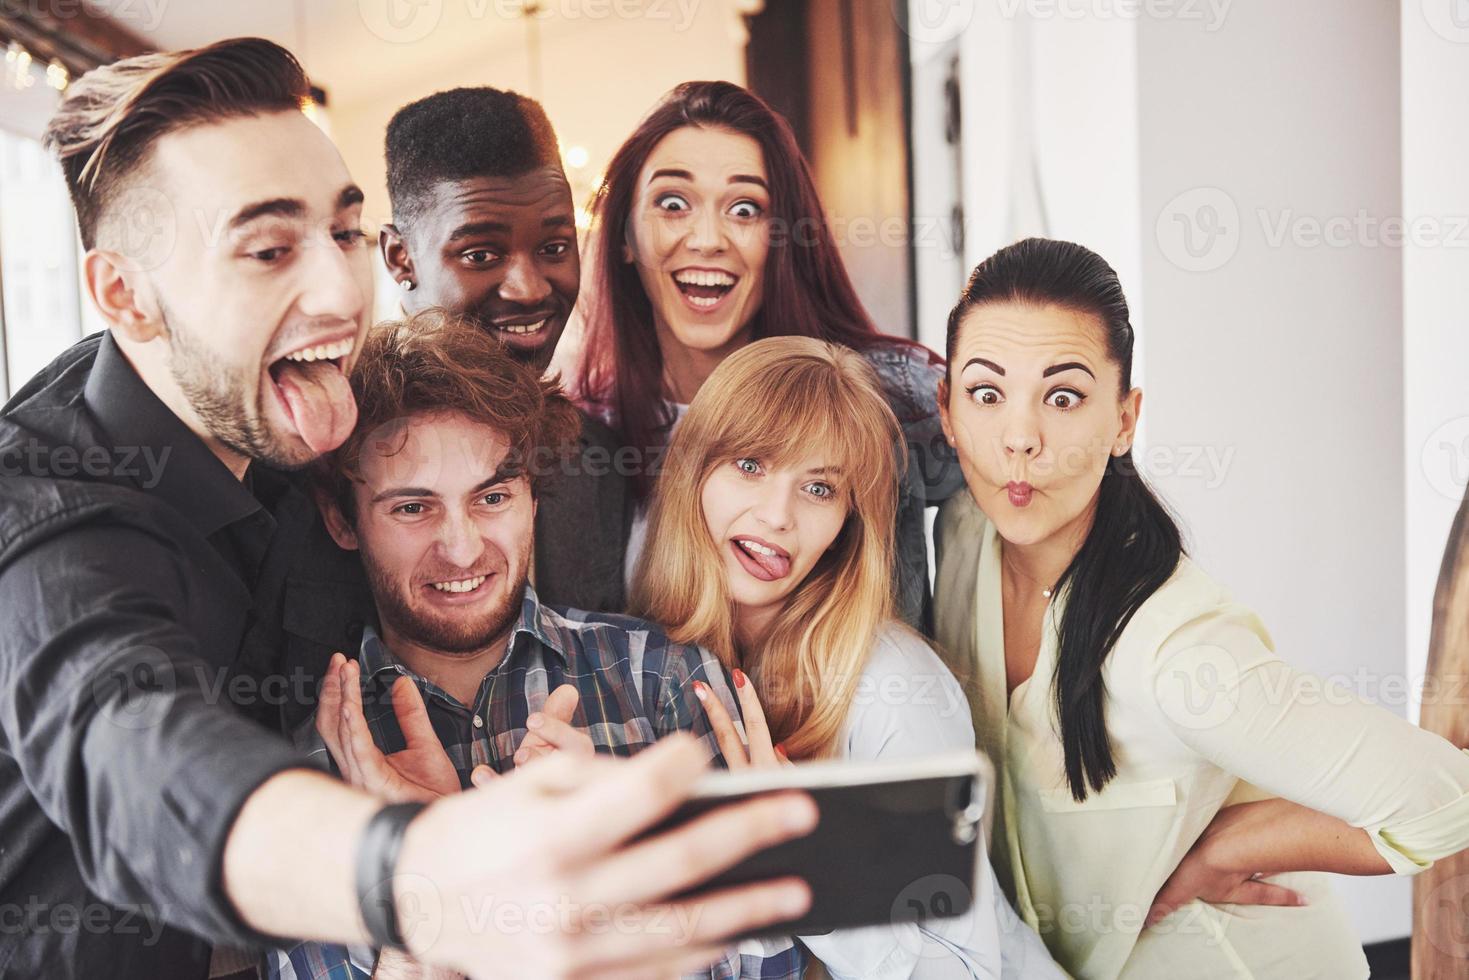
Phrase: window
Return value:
(40, 307)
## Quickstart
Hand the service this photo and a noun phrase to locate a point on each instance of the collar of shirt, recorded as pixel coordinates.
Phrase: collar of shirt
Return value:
(534, 631)
(191, 479)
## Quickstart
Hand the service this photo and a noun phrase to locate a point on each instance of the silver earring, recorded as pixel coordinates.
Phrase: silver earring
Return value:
(408, 285)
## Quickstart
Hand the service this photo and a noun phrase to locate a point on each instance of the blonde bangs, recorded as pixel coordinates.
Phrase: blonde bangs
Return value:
(793, 406)
(783, 400)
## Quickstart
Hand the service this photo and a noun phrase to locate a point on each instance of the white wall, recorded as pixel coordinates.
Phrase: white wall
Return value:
(1272, 365)
(1435, 298)
(1287, 355)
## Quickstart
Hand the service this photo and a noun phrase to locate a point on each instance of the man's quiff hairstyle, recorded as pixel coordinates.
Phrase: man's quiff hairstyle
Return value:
(459, 134)
(437, 363)
(112, 116)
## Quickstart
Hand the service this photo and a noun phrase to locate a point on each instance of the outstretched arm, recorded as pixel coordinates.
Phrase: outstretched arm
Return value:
(574, 864)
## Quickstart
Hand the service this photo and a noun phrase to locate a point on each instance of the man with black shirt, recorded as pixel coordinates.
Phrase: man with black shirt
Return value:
(224, 253)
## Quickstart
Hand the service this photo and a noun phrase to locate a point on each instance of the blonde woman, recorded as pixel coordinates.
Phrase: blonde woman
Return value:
(770, 544)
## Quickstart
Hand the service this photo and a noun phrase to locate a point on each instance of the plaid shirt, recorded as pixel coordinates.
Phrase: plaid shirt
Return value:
(635, 686)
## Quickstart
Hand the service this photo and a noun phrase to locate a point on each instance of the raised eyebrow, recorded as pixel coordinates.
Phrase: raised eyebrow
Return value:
(677, 174)
(1067, 366)
(673, 172)
(985, 362)
(351, 195)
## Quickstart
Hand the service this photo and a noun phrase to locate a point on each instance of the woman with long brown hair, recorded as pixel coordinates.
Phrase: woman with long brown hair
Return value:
(709, 235)
(770, 544)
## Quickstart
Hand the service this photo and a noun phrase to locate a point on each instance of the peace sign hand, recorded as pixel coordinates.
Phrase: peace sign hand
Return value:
(760, 753)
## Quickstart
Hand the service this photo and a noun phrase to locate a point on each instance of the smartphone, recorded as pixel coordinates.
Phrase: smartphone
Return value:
(897, 841)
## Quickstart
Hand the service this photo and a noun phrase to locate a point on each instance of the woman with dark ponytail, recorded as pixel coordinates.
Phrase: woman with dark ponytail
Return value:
(1169, 789)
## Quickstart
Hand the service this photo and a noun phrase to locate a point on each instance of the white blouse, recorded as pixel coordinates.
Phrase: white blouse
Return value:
(908, 704)
(1201, 714)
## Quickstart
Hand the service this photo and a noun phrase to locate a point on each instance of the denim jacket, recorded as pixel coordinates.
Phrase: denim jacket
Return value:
(932, 475)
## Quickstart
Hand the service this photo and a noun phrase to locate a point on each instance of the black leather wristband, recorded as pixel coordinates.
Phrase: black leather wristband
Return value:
(377, 858)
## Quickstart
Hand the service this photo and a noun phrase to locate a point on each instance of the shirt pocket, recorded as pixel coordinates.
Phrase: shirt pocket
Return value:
(1116, 795)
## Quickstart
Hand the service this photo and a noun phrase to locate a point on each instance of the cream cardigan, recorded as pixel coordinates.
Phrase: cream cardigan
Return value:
(1201, 712)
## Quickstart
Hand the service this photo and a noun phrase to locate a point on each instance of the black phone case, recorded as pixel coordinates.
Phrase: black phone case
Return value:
(881, 853)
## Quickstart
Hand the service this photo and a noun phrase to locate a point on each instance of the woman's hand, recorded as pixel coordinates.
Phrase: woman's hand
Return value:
(737, 755)
(421, 771)
(1206, 875)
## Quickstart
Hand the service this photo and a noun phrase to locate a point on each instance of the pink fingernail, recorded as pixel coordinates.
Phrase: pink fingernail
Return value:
(700, 692)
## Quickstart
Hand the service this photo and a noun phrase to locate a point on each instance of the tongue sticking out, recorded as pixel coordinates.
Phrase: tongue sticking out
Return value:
(320, 402)
(776, 566)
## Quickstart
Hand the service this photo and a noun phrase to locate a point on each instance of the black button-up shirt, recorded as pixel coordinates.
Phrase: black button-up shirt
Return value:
(141, 595)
